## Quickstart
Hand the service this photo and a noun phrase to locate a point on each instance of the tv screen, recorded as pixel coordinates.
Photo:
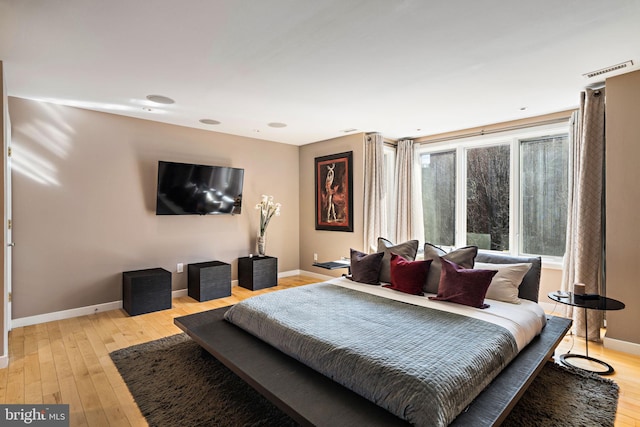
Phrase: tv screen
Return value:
(187, 189)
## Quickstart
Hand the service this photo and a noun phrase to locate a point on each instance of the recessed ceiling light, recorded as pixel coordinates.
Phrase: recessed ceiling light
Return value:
(349, 130)
(160, 99)
(277, 125)
(523, 108)
(209, 122)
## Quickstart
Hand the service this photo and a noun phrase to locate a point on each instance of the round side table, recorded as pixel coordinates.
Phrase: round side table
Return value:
(589, 303)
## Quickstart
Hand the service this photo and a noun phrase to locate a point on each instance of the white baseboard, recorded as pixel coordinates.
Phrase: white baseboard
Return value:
(305, 273)
(4, 361)
(289, 273)
(76, 312)
(623, 346)
(315, 275)
(65, 314)
(179, 293)
(93, 309)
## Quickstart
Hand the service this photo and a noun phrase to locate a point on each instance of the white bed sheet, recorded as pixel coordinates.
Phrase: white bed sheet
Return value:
(524, 321)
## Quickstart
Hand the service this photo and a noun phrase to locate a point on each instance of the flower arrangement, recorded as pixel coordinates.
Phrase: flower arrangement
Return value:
(267, 210)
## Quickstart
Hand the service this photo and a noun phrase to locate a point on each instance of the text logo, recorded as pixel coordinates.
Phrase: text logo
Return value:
(34, 415)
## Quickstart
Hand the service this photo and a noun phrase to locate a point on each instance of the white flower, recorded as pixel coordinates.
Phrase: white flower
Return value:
(267, 210)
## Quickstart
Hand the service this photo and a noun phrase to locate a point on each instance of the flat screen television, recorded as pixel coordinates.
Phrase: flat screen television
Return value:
(188, 189)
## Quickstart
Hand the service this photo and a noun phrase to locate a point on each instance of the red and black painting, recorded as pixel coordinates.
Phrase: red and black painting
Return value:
(334, 188)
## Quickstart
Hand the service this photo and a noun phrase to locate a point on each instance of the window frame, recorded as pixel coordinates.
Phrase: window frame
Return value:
(512, 138)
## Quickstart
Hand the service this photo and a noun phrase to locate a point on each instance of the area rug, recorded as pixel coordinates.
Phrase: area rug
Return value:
(175, 382)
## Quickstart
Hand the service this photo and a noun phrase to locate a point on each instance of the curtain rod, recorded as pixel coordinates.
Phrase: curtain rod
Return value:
(492, 131)
(385, 141)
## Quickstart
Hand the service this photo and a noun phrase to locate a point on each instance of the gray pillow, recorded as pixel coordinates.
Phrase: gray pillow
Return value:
(406, 250)
(366, 268)
(464, 257)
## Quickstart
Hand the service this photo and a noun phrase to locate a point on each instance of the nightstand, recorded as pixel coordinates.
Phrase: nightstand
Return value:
(257, 272)
(209, 280)
(144, 291)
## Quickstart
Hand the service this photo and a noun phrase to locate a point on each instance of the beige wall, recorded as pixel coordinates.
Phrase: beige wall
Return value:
(623, 204)
(329, 245)
(84, 188)
(550, 281)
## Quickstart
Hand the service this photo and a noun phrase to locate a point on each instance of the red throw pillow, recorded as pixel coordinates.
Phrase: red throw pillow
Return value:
(463, 286)
(408, 276)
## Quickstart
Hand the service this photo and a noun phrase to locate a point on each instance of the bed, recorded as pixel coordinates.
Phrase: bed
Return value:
(476, 377)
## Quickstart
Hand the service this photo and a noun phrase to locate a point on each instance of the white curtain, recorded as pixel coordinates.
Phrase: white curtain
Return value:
(408, 204)
(375, 213)
(584, 254)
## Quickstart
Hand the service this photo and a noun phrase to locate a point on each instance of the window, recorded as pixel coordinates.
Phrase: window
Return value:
(389, 155)
(439, 197)
(544, 183)
(505, 192)
(487, 196)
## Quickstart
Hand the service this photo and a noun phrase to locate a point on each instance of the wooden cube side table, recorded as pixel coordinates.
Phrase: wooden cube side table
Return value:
(144, 291)
(209, 280)
(257, 272)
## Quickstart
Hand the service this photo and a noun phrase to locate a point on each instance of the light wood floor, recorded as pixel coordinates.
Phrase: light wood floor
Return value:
(68, 361)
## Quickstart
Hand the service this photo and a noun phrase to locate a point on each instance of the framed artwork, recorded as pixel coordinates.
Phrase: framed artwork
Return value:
(334, 192)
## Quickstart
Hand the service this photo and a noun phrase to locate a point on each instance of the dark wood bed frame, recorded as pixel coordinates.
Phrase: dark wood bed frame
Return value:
(312, 399)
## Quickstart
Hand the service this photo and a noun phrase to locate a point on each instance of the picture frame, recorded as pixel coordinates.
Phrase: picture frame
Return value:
(334, 192)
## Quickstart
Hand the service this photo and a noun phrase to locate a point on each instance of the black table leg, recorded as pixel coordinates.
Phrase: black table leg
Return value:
(563, 358)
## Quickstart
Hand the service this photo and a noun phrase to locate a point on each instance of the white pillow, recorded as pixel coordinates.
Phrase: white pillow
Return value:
(504, 285)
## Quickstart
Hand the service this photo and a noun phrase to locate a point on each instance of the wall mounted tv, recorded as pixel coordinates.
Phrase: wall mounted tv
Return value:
(187, 189)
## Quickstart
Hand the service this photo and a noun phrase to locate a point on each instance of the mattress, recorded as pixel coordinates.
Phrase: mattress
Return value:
(424, 364)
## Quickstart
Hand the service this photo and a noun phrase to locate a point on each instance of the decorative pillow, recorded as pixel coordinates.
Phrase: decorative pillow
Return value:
(366, 268)
(464, 257)
(406, 250)
(504, 285)
(462, 285)
(530, 286)
(408, 276)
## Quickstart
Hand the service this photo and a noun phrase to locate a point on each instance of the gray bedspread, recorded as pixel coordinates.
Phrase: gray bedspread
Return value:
(421, 364)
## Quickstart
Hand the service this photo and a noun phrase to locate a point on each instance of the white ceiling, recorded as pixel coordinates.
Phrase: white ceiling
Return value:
(400, 67)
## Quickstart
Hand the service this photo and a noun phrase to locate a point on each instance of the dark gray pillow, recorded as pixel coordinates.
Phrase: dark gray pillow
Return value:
(530, 285)
(406, 250)
(366, 268)
(464, 257)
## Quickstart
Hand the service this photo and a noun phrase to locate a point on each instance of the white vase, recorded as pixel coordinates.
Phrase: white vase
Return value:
(261, 244)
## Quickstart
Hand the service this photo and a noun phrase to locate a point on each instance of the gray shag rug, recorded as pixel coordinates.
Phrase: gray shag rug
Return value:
(175, 382)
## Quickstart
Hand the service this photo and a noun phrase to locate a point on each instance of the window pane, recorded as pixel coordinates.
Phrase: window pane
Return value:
(488, 197)
(389, 194)
(544, 181)
(439, 197)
